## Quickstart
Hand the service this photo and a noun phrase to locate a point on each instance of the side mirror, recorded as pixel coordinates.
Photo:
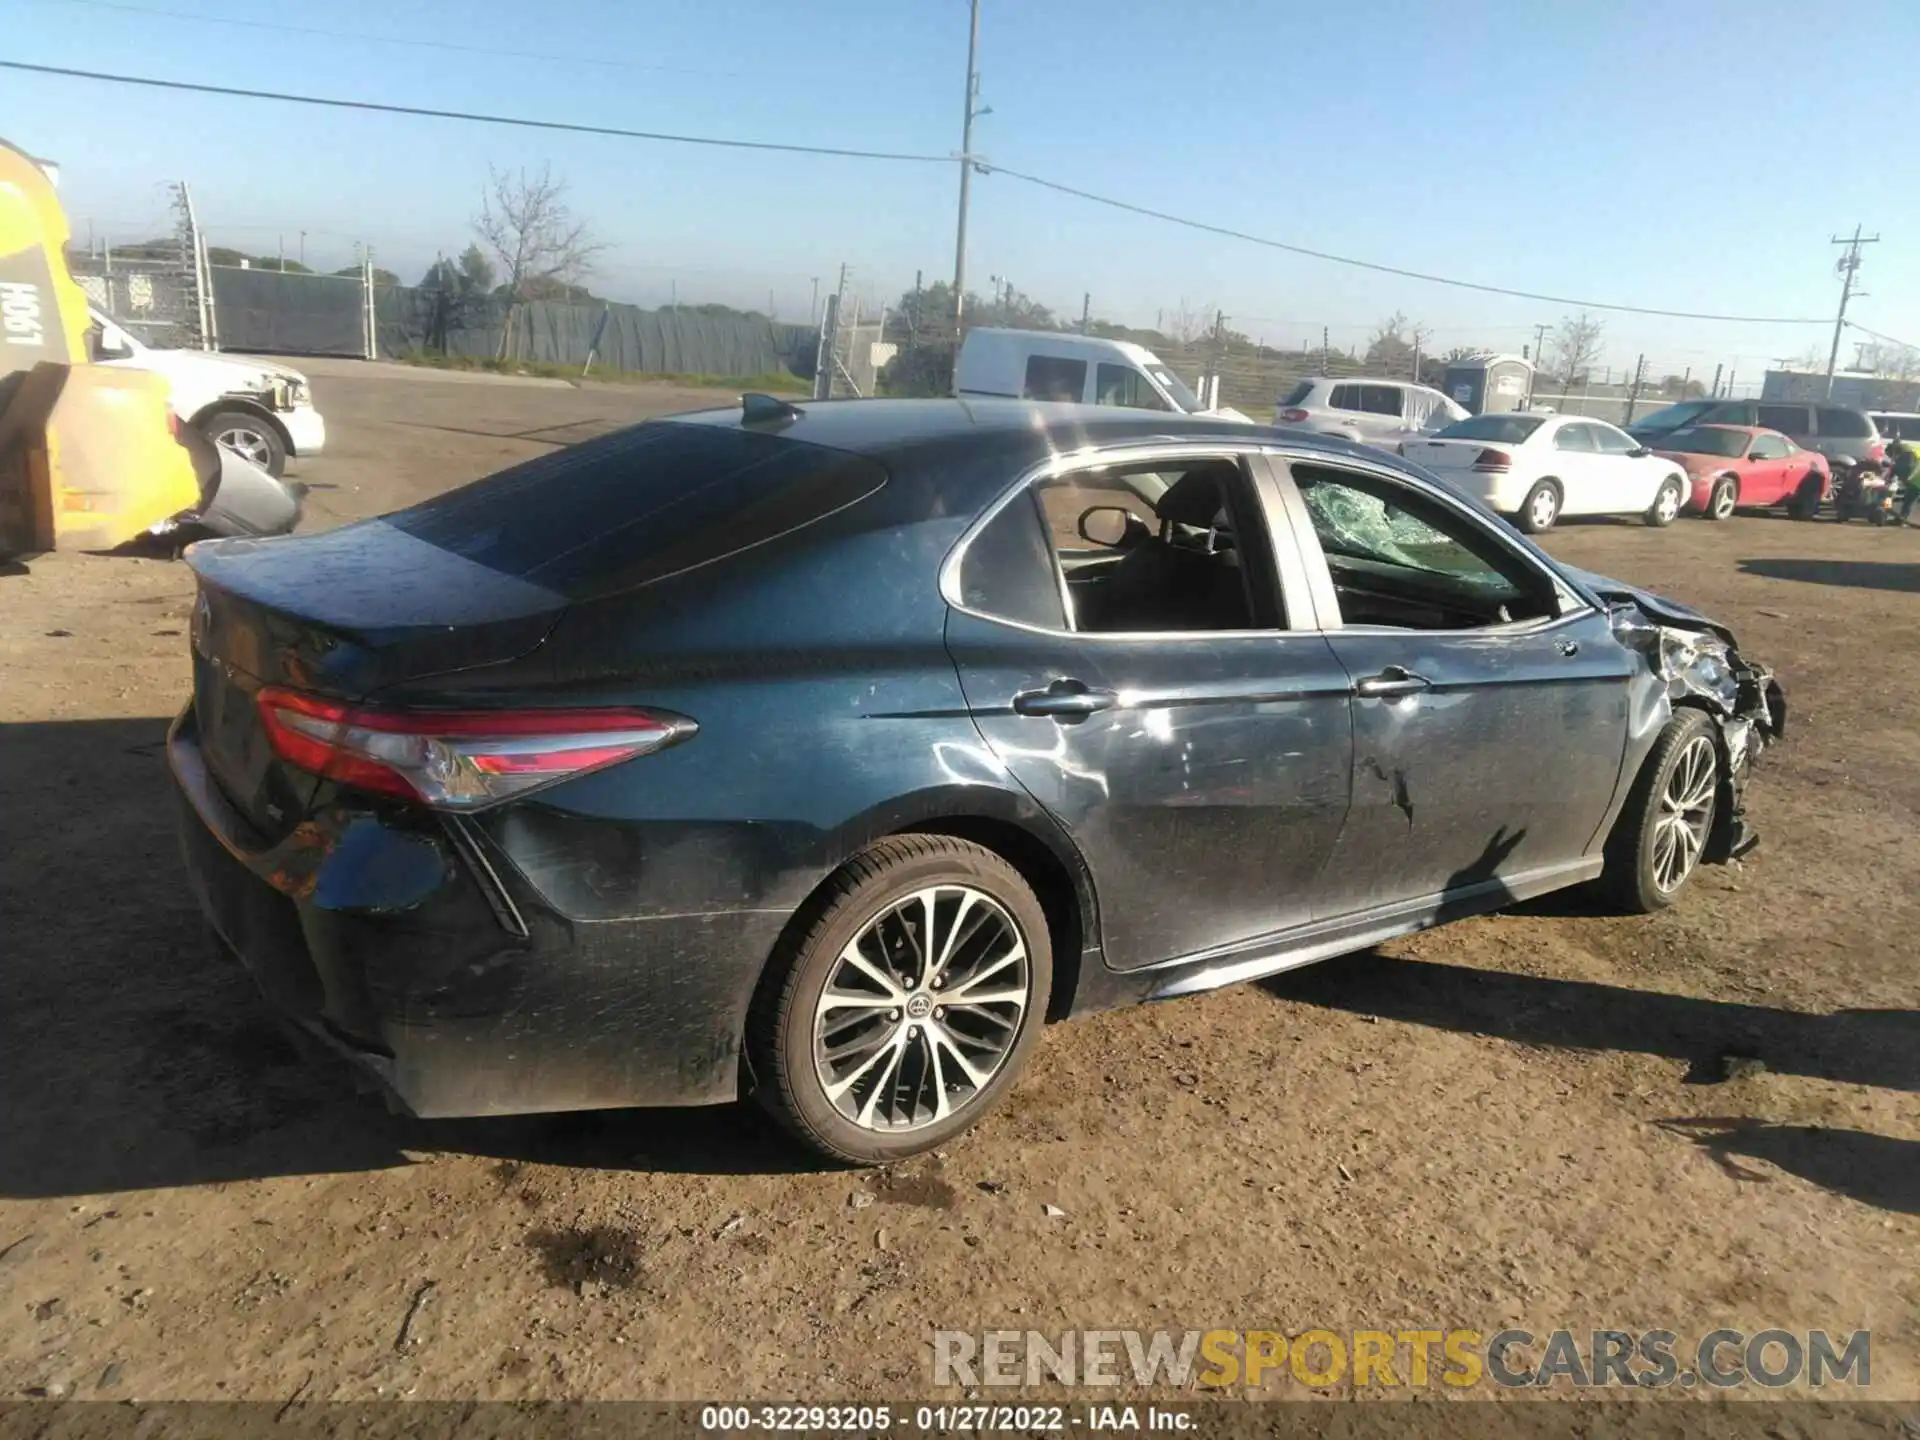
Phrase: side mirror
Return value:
(1640, 451)
(111, 343)
(1108, 526)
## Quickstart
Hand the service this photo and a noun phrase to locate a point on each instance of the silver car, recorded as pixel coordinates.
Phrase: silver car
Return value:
(1382, 413)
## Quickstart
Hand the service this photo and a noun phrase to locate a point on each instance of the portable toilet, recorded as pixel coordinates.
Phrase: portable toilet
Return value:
(1489, 384)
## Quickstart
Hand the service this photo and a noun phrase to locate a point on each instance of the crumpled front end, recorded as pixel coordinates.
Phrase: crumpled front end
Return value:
(1693, 661)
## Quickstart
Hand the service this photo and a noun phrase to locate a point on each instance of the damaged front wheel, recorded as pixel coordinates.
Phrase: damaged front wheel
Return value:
(1662, 832)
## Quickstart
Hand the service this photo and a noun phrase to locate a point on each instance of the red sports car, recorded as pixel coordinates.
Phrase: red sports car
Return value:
(1743, 465)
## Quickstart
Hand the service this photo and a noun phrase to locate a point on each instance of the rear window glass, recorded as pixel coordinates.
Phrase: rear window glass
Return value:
(1008, 569)
(1845, 424)
(1730, 443)
(1787, 419)
(1297, 396)
(1507, 429)
(1674, 415)
(640, 505)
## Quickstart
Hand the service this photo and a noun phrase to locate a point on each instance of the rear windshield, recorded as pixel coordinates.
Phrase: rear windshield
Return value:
(640, 505)
(1297, 396)
(1674, 416)
(1900, 427)
(1506, 429)
(1730, 443)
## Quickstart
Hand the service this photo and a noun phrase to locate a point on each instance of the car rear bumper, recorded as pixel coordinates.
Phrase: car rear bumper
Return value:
(415, 951)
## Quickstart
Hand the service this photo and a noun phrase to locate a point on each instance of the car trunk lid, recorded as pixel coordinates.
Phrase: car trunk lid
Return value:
(345, 614)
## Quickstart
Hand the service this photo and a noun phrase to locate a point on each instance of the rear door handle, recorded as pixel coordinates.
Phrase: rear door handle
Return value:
(1391, 681)
(1064, 700)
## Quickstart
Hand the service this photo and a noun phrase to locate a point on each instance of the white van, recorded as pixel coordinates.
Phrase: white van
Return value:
(1084, 369)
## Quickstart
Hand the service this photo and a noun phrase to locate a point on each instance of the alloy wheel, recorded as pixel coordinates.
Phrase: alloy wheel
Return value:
(922, 1009)
(249, 445)
(1686, 810)
(1723, 500)
(1668, 504)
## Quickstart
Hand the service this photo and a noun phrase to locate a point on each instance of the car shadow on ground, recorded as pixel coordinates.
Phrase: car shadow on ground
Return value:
(135, 1055)
(1873, 1169)
(1856, 1047)
(1895, 575)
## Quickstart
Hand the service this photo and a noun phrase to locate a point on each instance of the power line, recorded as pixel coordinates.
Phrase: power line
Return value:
(1883, 339)
(392, 39)
(382, 107)
(1231, 234)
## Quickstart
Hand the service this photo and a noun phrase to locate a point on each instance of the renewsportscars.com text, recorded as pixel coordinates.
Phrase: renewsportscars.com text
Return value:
(1456, 1358)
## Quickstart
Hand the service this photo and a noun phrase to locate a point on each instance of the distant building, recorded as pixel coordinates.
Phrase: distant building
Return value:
(1850, 387)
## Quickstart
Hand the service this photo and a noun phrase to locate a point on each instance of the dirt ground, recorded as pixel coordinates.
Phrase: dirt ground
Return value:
(1524, 1119)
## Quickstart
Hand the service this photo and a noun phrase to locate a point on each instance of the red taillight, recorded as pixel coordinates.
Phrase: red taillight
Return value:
(1293, 417)
(456, 759)
(1877, 451)
(1493, 460)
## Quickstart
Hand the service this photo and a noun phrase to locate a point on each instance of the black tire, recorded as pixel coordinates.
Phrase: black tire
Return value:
(1631, 879)
(1723, 499)
(1805, 503)
(1667, 501)
(263, 443)
(1536, 517)
(781, 1027)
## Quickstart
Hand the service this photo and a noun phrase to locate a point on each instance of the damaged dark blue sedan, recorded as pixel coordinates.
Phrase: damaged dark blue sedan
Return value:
(825, 753)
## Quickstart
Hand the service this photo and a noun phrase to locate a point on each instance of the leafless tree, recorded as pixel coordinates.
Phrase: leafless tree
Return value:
(1576, 346)
(540, 245)
(1186, 323)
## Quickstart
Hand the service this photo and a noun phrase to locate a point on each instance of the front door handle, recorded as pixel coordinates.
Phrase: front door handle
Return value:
(1394, 680)
(1065, 700)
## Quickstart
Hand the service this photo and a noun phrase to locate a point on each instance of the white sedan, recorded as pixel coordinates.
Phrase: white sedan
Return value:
(1537, 468)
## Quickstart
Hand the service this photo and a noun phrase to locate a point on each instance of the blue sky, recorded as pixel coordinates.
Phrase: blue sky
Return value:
(1690, 157)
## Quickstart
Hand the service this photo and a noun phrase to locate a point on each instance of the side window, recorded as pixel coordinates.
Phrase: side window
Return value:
(1050, 377)
(1574, 437)
(1609, 441)
(1159, 549)
(1347, 397)
(1735, 412)
(1844, 424)
(1381, 399)
(1008, 569)
(1768, 447)
(1399, 559)
(1124, 385)
(1789, 419)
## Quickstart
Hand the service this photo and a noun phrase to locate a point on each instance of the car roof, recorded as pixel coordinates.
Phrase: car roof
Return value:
(882, 427)
(1738, 429)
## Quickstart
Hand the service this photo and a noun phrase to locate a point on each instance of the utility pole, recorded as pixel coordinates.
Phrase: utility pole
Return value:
(1086, 311)
(814, 306)
(1633, 395)
(1212, 396)
(303, 248)
(1326, 350)
(1849, 266)
(970, 114)
(1714, 394)
(283, 253)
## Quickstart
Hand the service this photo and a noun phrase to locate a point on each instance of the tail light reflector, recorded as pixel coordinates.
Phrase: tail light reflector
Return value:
(456, 759)
(1493, 461)
(1293, 417)
(1877, 451)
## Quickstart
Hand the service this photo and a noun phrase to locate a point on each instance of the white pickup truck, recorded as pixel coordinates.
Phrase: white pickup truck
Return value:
(261, 411)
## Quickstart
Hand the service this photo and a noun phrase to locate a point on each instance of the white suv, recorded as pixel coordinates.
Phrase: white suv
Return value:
(1374, 412)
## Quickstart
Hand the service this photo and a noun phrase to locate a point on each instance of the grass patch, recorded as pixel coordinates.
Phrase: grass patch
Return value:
(779, 382)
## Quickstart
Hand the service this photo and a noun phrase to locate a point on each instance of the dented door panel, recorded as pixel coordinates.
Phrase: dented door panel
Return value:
(1505, 763)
